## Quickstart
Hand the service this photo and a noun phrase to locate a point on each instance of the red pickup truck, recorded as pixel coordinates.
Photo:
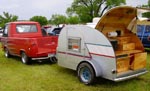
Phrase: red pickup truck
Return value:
(28, 41)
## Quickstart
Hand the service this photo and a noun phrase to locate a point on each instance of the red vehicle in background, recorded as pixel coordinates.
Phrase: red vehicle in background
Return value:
(1, 33)
(28, 41)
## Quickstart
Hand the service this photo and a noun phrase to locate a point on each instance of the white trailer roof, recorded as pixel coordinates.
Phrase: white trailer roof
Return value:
(88, 34)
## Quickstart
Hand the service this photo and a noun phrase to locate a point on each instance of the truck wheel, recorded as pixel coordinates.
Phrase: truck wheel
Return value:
(24, 58)
(7, 54)
(86, 73)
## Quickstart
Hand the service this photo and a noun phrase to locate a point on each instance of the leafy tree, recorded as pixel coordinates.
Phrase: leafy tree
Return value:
(146, 14)
(88, 9)
(58, 19)
(6, 17)
(41, 19)
(73, 20)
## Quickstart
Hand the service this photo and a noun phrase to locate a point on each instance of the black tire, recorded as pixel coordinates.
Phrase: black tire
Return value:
(24, 58)
(6, 52)
(86, 73)
(53, 60)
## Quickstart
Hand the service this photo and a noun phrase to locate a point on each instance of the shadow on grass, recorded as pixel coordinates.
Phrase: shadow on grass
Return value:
(111, 84)
(101, 81)
(67, 71)
(33, 62)
(107, 82)
(147, 50)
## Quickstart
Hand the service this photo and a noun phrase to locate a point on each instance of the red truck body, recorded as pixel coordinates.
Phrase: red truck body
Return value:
(27, 37)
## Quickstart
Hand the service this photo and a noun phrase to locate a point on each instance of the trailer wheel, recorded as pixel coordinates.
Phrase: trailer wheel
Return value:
(86, 73)
(7, 54)
(24, 58)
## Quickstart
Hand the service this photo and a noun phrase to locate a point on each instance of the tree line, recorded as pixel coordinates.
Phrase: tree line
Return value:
(80, 11)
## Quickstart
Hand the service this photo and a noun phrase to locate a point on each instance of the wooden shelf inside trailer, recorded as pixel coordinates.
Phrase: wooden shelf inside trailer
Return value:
(128, 52)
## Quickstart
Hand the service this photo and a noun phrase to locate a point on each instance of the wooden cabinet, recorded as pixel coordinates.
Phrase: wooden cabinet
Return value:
(127, 46)
(123, 40)
(123, 64)
(128, 56)
(139, 61)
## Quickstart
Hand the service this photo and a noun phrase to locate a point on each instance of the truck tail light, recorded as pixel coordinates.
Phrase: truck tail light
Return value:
(33, 44)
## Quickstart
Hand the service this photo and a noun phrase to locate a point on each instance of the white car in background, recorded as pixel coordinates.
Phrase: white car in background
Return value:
(53, 30)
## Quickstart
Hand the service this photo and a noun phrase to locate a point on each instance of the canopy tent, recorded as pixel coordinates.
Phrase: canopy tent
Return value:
(143, 22)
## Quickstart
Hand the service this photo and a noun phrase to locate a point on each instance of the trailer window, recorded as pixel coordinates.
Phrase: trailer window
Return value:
(74, 44)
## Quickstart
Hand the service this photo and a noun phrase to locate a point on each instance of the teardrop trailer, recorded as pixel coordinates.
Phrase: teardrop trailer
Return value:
(110, 51)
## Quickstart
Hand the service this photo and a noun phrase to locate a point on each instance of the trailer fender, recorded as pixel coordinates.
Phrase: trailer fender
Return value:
(94, 65)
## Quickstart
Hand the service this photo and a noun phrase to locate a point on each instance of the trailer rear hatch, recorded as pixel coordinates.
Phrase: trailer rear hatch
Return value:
(118, 25)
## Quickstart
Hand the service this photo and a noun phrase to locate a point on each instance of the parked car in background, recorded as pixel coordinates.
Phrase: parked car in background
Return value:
(53, 30)
(143, 32)
(46, 27)
(1, 33)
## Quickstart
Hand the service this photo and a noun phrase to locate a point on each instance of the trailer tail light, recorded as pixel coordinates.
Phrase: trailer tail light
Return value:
(114, 71)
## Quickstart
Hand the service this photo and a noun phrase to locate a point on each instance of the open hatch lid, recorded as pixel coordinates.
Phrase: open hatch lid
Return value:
(117, 18)
(121, 18)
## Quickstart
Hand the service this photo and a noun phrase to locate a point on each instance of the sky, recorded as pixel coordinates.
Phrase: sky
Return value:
(26, 9)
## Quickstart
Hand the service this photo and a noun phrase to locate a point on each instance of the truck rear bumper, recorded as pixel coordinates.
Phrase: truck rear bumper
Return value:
(40, 58)
(126, 77)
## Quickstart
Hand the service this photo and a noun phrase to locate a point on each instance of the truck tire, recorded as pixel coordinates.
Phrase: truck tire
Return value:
(7, 54)
(86, 73)
(24, 58)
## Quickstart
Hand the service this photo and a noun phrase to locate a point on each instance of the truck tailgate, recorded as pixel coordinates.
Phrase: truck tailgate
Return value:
(47, 45)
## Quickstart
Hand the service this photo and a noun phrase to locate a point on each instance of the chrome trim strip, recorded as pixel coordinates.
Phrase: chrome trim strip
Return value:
(40, 58)
(49, 56)
(129, 77)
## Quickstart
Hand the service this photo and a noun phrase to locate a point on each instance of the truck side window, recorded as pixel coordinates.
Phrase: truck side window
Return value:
(5, 33)
(74, 44)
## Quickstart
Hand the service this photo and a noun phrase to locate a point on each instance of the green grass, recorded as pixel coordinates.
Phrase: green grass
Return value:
(15, 76)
